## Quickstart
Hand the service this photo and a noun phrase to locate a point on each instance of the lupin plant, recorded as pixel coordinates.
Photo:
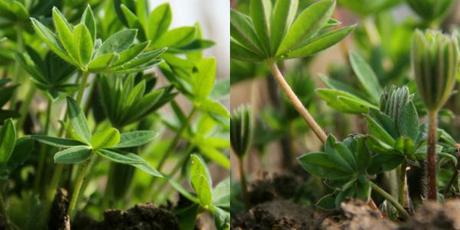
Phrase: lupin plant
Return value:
(241, 134)
(272, 34)
(435, 63)
(113, 126)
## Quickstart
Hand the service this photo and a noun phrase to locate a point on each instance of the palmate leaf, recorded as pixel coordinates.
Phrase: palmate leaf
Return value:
(106, 138)
(90, 22)
(221, 194)
(319, 164)
(82, 38)
(176, 37)
(306, 24)
(65, 35)
(56, 141)
(344, 102)
(376, 130)
(260, 12)
(284, 13)
(118, 42)
(203, 80)
(242, 30)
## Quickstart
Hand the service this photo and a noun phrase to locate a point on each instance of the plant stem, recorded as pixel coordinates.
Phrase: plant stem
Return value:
(390, 198)
(23, 111)
(43, 150)
(297, 103)
(244, 186)
(403, 192)
(84, 80)
(431, 155)
(79, 181)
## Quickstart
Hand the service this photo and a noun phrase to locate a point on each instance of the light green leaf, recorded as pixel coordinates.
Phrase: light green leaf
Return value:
(50, 39)
(159, 21)
(102, 62)
(84, 41)
(129, 159)
(131, 18)
(73, 155)
(214, 107)
(56, 141)
(88, 19)
(136, 138)
(260, 12)
(203, 80)
(7, 140)
(321, 42)
(118, 42)
(308, 23)
(366, 76)
(177, 37)
(284, 13)
(106, 138)
(242, 30)
(376, 130)
(78, 121)
(221, 194)
(344, 101)
(64, 33)
(201, 180)
(130, 53)
(215, 155)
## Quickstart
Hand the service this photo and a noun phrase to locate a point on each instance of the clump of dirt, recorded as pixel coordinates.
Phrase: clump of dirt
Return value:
(357, 215)
(60, 220)
(140, 217)
(278, 186)
(276, 215)
(432, 215)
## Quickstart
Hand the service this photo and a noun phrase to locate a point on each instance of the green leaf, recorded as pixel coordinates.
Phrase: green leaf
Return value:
(78, 121)
(409, 121)
(106, 138)
(201, 181)
(319, 164)
(344, 101)
(221, 194)
(129, 159)
(242, 30)
(102, 62)
(376, 130)
(366, 76)
(284, 13)
(84, 41)
(136, 138)
(88, 20)
(130, 53)
(320, 43)
(22, 151)
(7, 140)
(73, 155)
(214, 108)
(221, 218)
(239, 52)
(131, 18)
(340, 158)
(260, 12)
(56, 141)
(203, 80)
(118, 42)
(308, 23)
(159, 21)
(176, 37)
(50, 39)
(215, 155)
(64, 33)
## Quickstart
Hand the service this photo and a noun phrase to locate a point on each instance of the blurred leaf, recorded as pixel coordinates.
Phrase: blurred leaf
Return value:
(73, 155)
(7, 140)
(136, 138)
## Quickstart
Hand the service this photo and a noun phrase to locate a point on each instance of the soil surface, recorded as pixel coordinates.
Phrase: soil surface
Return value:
(140, 217)
(272, 210)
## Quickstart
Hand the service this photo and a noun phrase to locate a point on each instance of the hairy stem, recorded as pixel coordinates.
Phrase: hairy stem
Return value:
(243, 181)
(391, 199)
(431, 155)
(79, 181)
(403, 196)
(84, 80)
(297, 103)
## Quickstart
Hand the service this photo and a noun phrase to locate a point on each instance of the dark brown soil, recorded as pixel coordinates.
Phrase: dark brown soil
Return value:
(435, 216)
(278, 186)
(140, 217)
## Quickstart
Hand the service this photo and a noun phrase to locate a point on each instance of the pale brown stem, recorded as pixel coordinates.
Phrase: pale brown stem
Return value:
(297, 103)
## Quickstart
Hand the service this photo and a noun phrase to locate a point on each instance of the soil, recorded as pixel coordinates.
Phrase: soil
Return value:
(140, 217)
(60, 220)
(271, 209)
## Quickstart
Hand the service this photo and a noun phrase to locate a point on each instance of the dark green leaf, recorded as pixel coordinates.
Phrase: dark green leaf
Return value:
(73, 155)
(129, 159)
(366, 76)
(78, 121)
(88, 20)
(56, 141)
(284, 14)
(7, 140)
(260, 12)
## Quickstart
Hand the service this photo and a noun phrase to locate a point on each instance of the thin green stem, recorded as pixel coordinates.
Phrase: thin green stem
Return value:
(24, 110)
(43, 150)
(391, 199)
(297, 103)
(243, 181)
(84, 81)
(432, 193)
(79, 181)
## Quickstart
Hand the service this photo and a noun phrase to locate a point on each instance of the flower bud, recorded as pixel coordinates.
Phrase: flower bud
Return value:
(393, 100)
(435, 61)
(241, 130)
